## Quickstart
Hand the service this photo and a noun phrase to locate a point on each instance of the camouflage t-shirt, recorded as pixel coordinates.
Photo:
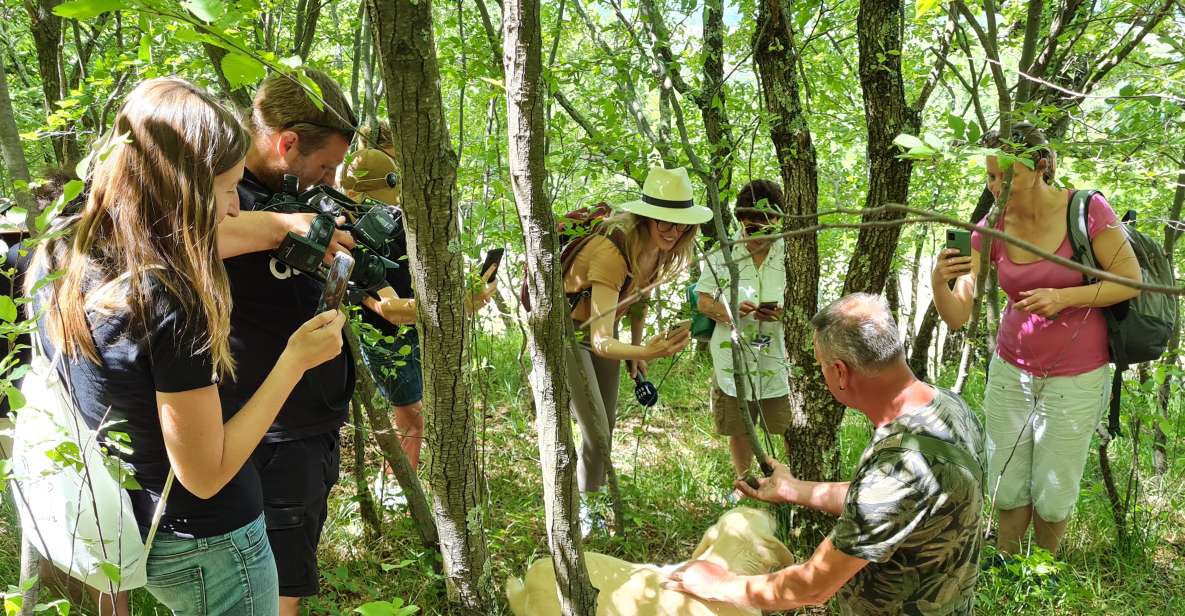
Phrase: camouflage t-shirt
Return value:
(915, 519)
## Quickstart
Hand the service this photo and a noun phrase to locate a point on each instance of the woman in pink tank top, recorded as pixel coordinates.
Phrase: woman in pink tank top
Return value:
(1049, 382)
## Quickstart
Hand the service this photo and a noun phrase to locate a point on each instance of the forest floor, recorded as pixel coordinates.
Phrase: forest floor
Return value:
(674, 474)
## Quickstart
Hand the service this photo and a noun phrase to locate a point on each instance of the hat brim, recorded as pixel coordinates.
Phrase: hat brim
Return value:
(694, 215)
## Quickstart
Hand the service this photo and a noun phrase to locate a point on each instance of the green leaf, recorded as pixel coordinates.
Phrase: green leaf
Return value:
(72, 189)
(292, 62)
(111, 570)
(386, 608)
(241, 70)
(16, 400)
(907, 141)
(87, 9)
(957, 125)
(313, 89)
(145, 52)
(8, 310)
(923, 7)
(205, 10)
(974, 132)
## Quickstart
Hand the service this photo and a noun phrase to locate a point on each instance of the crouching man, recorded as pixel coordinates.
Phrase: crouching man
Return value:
(907, 539)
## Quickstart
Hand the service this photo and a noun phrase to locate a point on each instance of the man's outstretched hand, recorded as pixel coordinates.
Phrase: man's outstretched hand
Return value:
(777, 488)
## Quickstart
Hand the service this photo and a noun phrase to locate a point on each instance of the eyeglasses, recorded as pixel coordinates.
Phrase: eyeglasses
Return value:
(667, 226)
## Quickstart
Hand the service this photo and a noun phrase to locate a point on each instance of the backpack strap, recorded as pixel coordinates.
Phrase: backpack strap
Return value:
(935, 448)
(1077, 217)
(616, 237)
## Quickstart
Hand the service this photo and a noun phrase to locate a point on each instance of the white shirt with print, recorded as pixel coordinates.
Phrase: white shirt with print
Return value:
(765, 344)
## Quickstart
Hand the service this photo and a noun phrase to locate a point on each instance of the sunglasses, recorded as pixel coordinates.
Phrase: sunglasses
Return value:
(665, 226)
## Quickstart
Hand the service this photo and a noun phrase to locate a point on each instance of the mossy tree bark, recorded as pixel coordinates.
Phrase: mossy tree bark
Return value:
(810, 440)
(549, 328)
(406, 53)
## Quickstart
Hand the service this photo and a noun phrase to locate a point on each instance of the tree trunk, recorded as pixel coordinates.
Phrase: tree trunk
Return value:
(46, 29)
(371, 521)
(13, 155)
(549, 327)
(367, 397)
(811, 449)
(711, 102)
(406, 51)
(308, 12)
(880, 29)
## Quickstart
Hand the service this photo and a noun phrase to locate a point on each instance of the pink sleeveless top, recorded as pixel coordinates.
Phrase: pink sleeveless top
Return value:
(1073, 343)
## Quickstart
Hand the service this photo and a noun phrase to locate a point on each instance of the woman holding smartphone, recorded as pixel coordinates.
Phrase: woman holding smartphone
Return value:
(1048, 383)
(762, 285)
(141, 316)
(616, 266)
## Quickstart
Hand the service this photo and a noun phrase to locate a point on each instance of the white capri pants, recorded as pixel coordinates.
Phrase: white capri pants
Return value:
(1038, 435)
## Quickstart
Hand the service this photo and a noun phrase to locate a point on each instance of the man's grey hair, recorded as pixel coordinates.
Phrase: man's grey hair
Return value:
(859, 330)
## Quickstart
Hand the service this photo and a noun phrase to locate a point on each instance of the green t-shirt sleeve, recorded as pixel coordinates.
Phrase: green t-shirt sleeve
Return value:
(885, 504)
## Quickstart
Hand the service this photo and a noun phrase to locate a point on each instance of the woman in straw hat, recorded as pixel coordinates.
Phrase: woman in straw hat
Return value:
(644, 243)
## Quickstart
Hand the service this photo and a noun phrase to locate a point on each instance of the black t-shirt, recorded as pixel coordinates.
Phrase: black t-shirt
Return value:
(137, 362)
(271, 301)
(400, 280)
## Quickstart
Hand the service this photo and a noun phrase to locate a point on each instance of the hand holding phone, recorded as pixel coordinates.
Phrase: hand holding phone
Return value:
(493, 260)
(959, 239)
(767, 306)
(336, 282)
(679, 327)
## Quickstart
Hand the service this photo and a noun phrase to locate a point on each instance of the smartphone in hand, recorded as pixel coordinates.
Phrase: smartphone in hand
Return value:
(493, 259)
(959, 239)
(767, 306)
(680, 326)
(335, 282)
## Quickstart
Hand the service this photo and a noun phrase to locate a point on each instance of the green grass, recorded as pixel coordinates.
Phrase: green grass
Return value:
(673, 472)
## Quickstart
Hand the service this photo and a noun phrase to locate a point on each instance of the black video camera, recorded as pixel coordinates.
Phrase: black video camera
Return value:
(374, 224)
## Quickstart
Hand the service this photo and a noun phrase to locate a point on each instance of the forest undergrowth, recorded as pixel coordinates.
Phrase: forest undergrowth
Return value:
(675, 473)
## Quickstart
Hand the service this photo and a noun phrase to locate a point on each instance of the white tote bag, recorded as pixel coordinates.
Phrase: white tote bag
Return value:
(71, 495)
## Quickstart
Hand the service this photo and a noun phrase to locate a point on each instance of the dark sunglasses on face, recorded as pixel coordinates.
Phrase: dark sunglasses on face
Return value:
(665, 226)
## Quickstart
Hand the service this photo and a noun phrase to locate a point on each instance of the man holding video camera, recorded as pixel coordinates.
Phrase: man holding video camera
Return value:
(298, 459)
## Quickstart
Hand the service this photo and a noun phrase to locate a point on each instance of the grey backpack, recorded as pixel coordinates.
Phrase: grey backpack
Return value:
(1138, 329)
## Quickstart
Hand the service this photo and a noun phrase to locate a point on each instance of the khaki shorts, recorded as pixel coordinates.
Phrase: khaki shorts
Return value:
(775, 414)
(1038, 436)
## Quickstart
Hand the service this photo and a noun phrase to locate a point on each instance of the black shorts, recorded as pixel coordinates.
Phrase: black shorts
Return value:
(296, 477)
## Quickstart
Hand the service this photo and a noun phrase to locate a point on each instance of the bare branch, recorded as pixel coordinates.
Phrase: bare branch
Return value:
(948, 33)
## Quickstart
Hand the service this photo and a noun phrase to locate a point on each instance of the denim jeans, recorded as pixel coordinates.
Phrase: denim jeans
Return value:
(232, 574)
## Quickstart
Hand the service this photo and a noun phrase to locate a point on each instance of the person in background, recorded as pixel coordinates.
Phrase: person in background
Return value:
(641, 245)
(1049, 380)
(141, 316)
(298, 461)
(906, 540)
(762, 285)
(393, 357)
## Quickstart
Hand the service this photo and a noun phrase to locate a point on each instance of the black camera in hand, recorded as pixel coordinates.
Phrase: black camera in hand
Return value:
(374, 224)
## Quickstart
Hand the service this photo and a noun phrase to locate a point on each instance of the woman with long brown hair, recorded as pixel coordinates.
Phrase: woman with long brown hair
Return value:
(140, 317)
